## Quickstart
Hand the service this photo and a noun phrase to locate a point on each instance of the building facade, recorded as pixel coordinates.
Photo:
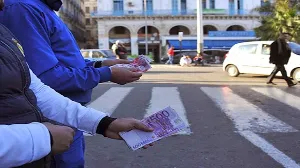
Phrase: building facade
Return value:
(72, 14)
(90, 6)
(225, 22)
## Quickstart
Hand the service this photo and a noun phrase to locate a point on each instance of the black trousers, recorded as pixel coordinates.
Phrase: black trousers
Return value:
(281, 68)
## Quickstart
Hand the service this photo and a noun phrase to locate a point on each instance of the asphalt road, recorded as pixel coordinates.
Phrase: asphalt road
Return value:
(235, 122)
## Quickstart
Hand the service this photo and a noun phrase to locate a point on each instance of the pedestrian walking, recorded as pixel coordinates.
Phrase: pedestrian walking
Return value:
(170, 55)
(280, 55)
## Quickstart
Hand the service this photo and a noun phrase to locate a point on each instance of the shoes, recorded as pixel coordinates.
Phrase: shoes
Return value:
(271, 83)
(292, 84)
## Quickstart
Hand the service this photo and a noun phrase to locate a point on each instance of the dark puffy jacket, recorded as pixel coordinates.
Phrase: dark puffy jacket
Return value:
(18, 104)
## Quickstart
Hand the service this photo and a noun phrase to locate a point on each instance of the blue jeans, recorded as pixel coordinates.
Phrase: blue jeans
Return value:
(170, 61)
(74, 157)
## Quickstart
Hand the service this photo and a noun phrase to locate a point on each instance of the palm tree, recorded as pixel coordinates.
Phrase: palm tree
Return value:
(279, 17)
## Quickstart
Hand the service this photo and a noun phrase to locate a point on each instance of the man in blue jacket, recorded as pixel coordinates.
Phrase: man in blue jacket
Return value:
(54, 56)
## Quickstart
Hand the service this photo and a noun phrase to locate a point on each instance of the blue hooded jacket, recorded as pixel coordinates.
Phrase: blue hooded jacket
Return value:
(51, 50)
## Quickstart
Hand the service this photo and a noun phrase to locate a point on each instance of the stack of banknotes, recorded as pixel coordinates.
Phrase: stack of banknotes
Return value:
(165, 123)
(140, 63)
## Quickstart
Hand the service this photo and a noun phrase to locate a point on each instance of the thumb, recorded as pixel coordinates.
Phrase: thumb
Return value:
(140, 126)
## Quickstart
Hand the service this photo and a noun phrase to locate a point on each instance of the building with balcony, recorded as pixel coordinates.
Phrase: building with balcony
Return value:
(225, 22)
(91, 35)
(72, 14)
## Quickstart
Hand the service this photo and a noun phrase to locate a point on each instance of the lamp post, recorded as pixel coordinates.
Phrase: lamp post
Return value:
(146, 27)
(199, 26)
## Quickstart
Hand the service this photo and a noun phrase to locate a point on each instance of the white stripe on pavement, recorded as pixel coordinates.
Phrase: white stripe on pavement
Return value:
(280, 95)
(269, 149)
(246, 116)
(110, 100)
(163, 97)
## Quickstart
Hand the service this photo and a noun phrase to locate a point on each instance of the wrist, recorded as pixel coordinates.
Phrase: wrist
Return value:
(104, 124)
(98, 64)
(51, 139)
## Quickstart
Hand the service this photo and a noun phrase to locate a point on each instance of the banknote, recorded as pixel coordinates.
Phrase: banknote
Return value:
(165, 123)
(141, 63)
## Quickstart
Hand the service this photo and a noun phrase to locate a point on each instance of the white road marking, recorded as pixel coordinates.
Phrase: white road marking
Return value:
(246, 116)
(248, 119)
(110, 100)
(163, 97)
(269, 149)
(280, 95)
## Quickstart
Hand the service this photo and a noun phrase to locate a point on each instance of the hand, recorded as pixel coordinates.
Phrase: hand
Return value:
(124, 75)
(62, 137)
(114, 62)
(124, 125)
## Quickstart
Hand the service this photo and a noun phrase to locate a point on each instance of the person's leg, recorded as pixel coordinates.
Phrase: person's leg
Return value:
(74, 157)
(272, 75)
(168, 60)
(171, 60)
(284, 75)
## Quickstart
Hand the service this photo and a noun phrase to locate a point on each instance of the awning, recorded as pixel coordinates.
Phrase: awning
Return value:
(208, 44)
(186, 44)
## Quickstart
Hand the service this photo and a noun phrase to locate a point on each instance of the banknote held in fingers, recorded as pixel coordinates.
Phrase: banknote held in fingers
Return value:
(141, 63)
(164, 123)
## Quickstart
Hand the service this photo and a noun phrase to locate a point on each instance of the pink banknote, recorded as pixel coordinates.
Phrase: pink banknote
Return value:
(141, 63)
(165, 123)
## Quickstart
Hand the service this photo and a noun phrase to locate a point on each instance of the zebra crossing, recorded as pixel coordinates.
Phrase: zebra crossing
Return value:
(249, 120)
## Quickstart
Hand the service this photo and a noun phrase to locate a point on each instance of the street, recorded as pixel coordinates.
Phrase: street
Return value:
(235, 122)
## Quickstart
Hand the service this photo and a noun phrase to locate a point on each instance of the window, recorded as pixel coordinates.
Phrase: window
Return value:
(87, 21)
(204, 4)
(95, 21)
(85, 54)
(87, 9)
(231, 7)
(264, 2)
(183, 6)
(212, 4)
(95, 9)
(118, 7)
(149, 5)
(97, 54)
(266, 48)
(248, 49)
(175, 6)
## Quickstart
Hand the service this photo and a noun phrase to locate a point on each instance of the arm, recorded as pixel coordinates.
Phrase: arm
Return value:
(34, 37)
(61, 109)
(23, 143)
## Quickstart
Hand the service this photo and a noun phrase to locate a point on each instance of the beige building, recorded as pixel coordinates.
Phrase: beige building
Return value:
(90, 6)
(72, 13)
(225, 22)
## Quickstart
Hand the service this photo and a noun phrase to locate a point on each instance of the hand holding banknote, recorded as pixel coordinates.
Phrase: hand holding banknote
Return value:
(124, 125)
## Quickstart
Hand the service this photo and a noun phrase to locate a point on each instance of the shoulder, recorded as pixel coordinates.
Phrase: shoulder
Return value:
(32, 5)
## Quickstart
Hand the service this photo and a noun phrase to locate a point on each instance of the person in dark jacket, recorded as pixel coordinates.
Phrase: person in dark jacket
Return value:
(280, 55)
(54, 56)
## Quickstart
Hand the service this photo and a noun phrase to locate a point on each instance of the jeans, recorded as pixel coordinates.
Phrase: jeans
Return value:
(170, 61)
(74, 157)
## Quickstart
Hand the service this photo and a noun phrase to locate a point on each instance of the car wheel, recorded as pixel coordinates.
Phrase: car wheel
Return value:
(232, 71)
(296, 75)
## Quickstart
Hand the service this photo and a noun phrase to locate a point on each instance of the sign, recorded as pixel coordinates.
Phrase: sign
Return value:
(231, 34)
(180, 36)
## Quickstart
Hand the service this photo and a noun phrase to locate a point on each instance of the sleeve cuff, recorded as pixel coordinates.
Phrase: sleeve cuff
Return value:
(103, 125)
(105, 74)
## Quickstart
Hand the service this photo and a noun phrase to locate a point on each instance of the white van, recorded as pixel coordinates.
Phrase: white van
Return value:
(253, 58)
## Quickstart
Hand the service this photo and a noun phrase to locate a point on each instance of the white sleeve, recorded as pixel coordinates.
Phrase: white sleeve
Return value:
(61, 109)
(23, 143)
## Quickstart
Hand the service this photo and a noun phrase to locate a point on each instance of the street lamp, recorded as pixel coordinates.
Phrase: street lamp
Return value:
(199, 26)
(146, 27)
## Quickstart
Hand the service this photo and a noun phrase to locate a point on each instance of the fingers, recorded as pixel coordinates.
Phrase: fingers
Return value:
(140, 126)
(125, 61)
(136, 74)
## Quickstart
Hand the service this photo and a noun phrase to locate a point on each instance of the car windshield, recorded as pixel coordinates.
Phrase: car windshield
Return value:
(109, 53)
(295, 48)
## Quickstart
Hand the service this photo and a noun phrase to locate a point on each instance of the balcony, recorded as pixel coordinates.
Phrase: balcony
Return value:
(173, 12)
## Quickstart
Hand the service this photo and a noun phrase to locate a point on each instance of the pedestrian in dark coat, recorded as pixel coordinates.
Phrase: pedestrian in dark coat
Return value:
(280, 55)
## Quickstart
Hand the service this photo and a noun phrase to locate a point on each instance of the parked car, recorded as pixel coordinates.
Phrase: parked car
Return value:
(192, 54)
(253, 58)
(97, 54)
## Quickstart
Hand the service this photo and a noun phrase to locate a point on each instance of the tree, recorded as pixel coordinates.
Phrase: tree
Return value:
(279, 17)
